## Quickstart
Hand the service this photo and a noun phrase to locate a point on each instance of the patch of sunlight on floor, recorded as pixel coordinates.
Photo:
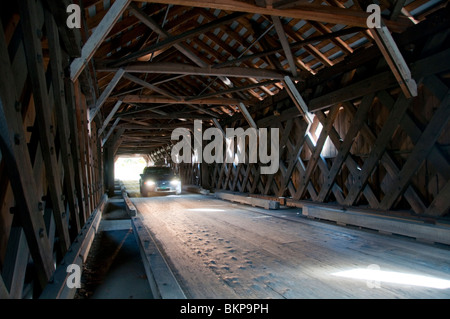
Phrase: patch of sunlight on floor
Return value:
(375, 275)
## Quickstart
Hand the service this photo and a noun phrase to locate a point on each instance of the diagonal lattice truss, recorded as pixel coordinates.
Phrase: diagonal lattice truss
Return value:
(350, 155)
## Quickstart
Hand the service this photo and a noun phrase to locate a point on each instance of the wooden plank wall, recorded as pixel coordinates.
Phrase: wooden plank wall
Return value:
(50, 163)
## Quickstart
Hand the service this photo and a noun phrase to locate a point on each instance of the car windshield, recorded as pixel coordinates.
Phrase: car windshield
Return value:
(158, 171)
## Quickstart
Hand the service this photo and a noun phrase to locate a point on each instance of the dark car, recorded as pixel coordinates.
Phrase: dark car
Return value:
(159, 180)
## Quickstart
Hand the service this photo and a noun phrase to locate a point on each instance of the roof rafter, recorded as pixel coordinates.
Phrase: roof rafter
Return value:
(180, 37)
(178, 68)
(322, 13)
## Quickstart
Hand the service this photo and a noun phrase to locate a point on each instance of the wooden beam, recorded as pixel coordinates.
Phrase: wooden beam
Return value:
(150, 86)
(247, 115)
(336, 40)
(80, 118)
(396, 9)
(4, 294)
(111, 130)
(378, 150)
(171, 115)
(372, 84)
(322, 13)
(233, 90)
(436, 63)
(441, 202)
(374, 220)
(295, 155)
(344, 148)
(395, 60)
(349, 161)
(298, 100)
(285, 44)
(77, 255)
(62, 118)
(141, 108)
(148, 21)
(154, 126)
(292, 46)
(180, 100)
(386, 160)
(105, 94)
(312, 163)
(109, 117)
(181, 37)
(420, 152)
(16, 259)
(74, 145)
(177, 68)
(97, 37)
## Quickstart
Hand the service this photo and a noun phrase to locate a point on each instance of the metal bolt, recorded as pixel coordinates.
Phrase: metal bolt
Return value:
(17, 139)
(18, 106)
(39, 33)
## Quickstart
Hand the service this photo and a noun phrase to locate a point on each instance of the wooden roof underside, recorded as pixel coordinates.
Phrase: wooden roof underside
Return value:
(165, 63)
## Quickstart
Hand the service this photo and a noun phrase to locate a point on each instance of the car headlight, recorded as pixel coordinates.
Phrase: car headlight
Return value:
(175, 182)
(149, 183)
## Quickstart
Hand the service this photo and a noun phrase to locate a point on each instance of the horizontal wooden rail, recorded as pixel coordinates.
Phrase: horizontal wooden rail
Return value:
(438, 233)
(159, 275)
(244, 199)
(77, 254)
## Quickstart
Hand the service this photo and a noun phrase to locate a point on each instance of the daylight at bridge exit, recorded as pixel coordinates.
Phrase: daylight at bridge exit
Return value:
(224, 154)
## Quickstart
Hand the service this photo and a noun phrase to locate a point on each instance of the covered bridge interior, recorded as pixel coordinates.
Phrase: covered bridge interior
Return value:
(362, 111)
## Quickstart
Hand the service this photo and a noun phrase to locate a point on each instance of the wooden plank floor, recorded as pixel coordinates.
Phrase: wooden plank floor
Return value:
(222, 250)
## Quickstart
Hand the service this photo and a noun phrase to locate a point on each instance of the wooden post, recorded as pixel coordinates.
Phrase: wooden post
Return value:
(62, 118)
(71, 101)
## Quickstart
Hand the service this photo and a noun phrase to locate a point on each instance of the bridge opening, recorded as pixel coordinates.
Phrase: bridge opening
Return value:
(129, 167)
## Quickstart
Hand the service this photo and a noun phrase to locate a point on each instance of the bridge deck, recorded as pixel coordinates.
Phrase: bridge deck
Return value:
(217, 249)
